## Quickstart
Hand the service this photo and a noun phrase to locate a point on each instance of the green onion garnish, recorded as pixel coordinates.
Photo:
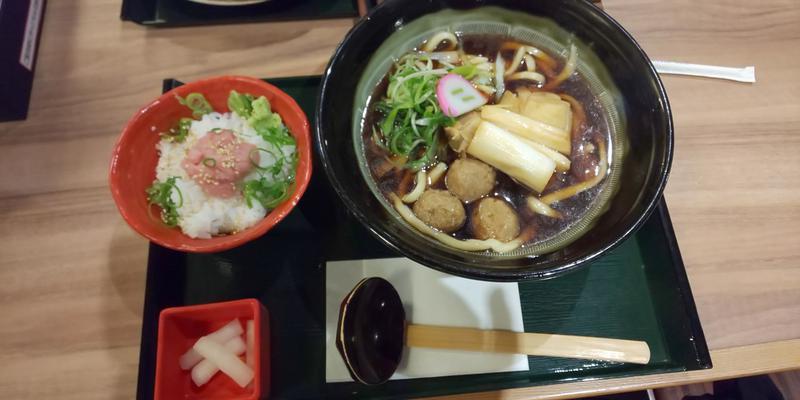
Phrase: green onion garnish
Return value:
(197, 103)
(276, 181)
(178, 132)
(411, 97)
(210, 162)
(160, 194)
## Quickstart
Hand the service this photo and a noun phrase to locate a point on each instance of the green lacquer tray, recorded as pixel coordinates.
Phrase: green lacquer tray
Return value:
(638, 291)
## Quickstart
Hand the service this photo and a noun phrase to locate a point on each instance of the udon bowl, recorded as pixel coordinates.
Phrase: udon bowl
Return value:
(636, 97)
(134, 160)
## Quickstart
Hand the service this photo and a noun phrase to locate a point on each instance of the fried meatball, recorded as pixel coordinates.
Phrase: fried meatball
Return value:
(441, 210)
(470, 179)
(495, 219)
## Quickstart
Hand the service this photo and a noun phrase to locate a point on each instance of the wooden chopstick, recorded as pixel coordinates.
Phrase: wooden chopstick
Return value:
(536, 344)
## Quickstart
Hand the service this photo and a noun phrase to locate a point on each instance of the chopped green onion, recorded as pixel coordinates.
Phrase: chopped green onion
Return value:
(160, 194)
(269, 194)
(179, 132)
(276, 168)
(210, 162)
(271, 190)
(410, 97)
(197, 103)
(467, 71)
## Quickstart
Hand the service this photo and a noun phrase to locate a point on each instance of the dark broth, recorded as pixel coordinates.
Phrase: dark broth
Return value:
(534, 227)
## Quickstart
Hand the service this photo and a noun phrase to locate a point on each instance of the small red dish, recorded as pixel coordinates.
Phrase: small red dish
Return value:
(178, 330)
(133, 163)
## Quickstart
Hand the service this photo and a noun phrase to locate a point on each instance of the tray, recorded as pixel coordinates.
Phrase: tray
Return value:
(638, 291)
(166, 13)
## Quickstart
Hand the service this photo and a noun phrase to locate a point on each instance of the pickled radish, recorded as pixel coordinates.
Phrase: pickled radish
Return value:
(205, 370)
(250, 356)
(457, 96)
(227, 362)
(222, 335)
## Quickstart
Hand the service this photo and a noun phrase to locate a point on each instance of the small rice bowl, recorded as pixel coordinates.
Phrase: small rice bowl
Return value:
(203, 216)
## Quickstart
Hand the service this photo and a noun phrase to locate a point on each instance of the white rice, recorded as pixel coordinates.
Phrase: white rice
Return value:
(200, 215)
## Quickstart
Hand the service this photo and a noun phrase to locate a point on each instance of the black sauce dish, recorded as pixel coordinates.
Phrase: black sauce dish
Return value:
(642, 103)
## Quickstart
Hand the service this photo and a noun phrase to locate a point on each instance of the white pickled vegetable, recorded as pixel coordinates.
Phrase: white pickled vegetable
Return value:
(512, 155)
(527, 128)
(421, 183)
(250, 356)
(457, 96)
(205, 370)
(227, 362)
(222, 335)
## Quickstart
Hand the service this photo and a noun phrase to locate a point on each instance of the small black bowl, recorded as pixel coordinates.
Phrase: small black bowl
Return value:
(644, 105)
(371, 331)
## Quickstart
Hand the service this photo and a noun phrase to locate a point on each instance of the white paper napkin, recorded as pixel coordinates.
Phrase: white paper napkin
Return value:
(430, 298)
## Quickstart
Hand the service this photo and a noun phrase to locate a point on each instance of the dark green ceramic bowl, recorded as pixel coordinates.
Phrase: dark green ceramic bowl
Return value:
(621, 72)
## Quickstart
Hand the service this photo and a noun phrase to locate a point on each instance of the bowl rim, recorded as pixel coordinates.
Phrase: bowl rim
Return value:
(302, 175)
(500, 274)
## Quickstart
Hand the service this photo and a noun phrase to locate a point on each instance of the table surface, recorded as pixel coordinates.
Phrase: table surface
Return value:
(73, 273)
